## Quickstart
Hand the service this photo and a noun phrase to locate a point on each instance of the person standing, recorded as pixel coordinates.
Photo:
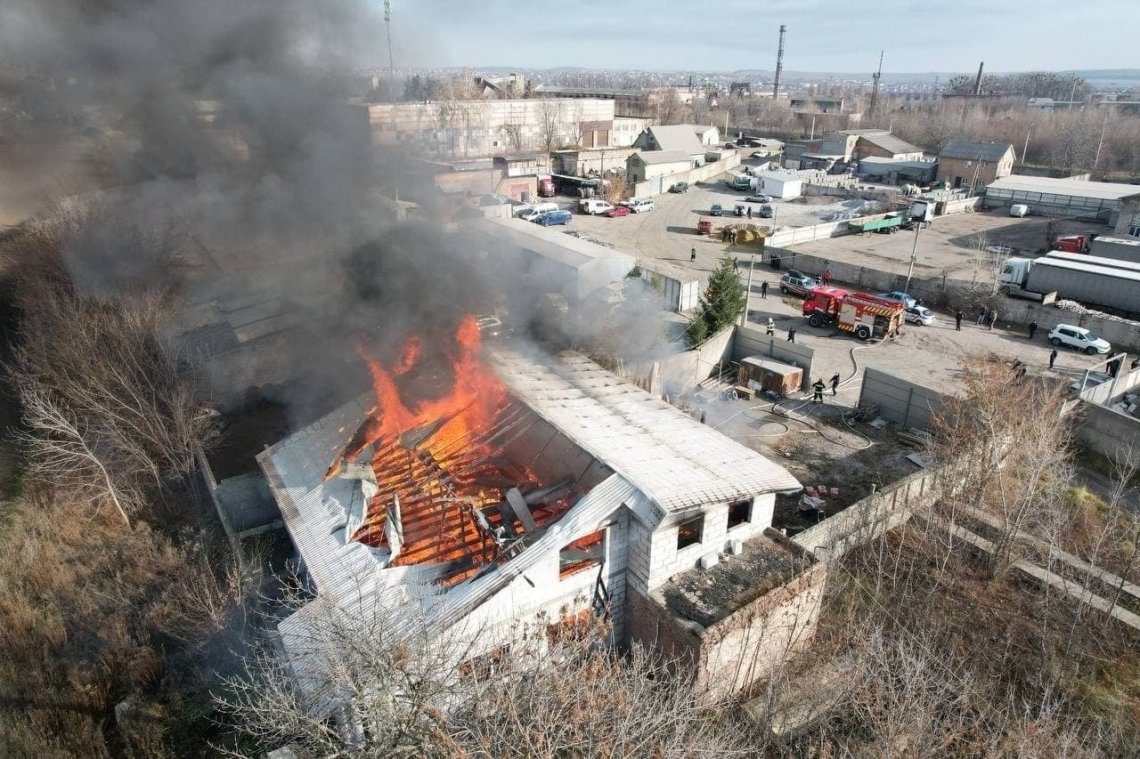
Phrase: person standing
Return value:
(771, 327)
(764, 290)
(993, 319)
(835, 384)
(827, 277)
(736, 265)
(791, 334)
(692, 255)
(817, 387)
(958, 320)
(981, 316)
(1052, 357)
(1032, 328)
(749, 213)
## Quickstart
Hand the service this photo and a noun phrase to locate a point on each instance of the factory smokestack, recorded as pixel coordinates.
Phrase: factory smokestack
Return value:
(779, 63)
(978, 81)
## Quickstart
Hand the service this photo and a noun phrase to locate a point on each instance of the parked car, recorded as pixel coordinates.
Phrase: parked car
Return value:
(679, 187)
(920, 315)
(532, 213)
(641, 205)
(1079, 338)
(740, 209)
(767, 212)
(704, 227)
(593, 206)
(716, 210)
(554, 218)
(796, 282)
(899, 297)
(757, 199)
(618, 211)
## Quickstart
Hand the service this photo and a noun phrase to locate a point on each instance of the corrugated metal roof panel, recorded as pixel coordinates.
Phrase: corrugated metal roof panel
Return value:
(1065, 187)
(676, 461)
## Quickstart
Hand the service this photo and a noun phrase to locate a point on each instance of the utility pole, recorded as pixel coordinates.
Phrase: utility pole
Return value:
(1100, 143)
(779, 64)
(913, 256)
(1025, 147)
(748, 293)
(875, 88)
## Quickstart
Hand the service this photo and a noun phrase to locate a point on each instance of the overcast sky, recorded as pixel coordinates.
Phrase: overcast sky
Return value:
(823, 35)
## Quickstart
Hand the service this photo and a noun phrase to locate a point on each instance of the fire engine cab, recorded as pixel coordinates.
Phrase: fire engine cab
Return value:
(866, 316)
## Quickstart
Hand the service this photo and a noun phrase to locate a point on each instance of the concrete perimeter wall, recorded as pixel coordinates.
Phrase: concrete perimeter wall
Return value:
(1109, 432)
(658, 185)
(905, 403)
(1106, 391)
(871, 517)
(749, 341)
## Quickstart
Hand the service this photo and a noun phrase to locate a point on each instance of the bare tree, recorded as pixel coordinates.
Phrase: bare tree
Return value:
(1002, 440)
(402, 687)
(550, 120)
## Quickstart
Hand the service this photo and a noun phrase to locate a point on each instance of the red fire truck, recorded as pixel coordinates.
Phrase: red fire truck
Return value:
(864, 315)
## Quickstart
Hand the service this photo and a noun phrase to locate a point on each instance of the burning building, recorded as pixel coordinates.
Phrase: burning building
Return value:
(510, 485)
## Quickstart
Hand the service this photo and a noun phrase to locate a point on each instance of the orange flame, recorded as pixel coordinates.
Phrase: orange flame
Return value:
(471, 404)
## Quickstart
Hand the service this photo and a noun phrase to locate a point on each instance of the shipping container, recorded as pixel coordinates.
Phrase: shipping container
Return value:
(1116, 247)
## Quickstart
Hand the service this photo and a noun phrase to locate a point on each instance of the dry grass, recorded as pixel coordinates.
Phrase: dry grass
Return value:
(93, 614)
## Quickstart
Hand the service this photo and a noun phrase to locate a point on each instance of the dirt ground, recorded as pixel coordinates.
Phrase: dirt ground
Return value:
(818, 443)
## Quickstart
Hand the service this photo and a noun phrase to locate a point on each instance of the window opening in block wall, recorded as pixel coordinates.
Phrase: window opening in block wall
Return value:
(483, 666)
(739, 512)
(689, 533)
(581, 554)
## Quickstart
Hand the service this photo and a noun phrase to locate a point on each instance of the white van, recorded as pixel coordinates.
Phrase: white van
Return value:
(641, 205)
(593, 206)
(536, 210)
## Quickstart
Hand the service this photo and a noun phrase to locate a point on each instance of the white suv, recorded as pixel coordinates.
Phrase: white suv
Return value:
(1079, 338)
(641, 205)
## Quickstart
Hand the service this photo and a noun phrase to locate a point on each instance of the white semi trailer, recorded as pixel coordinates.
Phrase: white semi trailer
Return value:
(1090, 280)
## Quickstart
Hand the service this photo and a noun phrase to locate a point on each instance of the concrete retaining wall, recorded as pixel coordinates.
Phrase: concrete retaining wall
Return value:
(682, 371)
(799, 235)
(905, 403)
(749, 341)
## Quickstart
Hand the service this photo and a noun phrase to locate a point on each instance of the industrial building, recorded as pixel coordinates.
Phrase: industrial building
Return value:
(1069, 197)
(475, 128)
(779, 183)
(650, 164)
(572, 493)
(555, 262)
(967, 163)
(690, 139)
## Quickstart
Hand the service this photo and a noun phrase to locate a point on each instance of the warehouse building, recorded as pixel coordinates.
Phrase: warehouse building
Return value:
(1063, 197)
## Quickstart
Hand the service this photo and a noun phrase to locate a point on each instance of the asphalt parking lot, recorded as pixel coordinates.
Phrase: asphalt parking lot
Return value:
(930, 355)
(953, 246)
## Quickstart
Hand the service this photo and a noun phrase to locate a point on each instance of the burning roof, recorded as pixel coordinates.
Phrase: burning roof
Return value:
(458, 483)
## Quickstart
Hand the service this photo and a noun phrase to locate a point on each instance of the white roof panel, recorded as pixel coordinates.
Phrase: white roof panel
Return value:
(1074, 187)
(677, 462)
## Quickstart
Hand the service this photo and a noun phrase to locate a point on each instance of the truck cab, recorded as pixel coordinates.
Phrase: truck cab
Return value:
(1014, 274)
(1071, 243)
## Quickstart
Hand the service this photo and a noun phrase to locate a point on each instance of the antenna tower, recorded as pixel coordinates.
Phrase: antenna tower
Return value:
(875, 87)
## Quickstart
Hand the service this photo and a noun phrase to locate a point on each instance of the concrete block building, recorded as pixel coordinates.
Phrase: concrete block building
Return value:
(474, 128)
(966, 163)
(649, 164)
(621, 506)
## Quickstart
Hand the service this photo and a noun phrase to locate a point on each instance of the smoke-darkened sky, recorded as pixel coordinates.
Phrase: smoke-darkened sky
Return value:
(823, 35)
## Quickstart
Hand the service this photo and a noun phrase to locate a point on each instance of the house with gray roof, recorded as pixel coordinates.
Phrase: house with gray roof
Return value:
(691, 139)
(967, 163)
